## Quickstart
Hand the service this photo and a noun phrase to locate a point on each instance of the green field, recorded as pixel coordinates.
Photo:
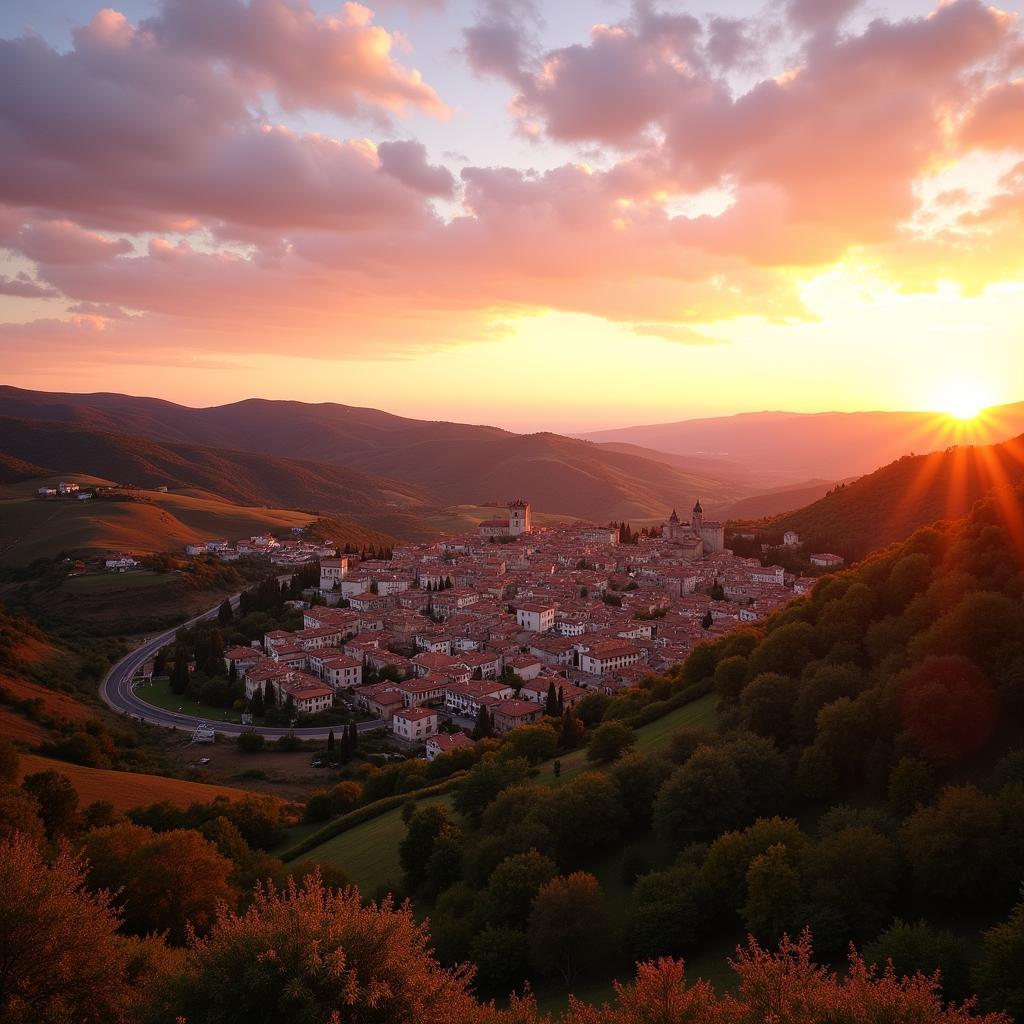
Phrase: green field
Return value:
(368, 853)
(159, 694)
(650, 738)
(114, 582)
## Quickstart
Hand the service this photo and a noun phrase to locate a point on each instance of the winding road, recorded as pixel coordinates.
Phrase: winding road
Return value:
(118, 693)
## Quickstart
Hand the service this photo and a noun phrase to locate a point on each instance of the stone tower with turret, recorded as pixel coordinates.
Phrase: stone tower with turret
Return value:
(520, 517)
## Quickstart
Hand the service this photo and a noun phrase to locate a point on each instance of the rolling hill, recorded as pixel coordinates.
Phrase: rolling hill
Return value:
(30, 529)
(891, 503)
(830, 445)
(242, 478)
(359, 453)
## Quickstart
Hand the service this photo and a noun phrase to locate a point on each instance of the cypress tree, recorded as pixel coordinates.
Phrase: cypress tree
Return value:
(330, 742)
(344, 746)
(269, 697)
(569, 734)
(179, 673)
(202, 651)
(483, 727)
(214, 663)
(708, 620)
(226, 613)
(561, 702)
(551, 705)
(353, 738)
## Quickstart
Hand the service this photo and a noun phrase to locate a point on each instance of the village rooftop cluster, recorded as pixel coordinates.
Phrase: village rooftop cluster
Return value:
(293, 552)
(493, 619)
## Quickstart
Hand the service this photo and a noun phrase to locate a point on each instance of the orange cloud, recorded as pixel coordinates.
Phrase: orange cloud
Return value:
(275, 240)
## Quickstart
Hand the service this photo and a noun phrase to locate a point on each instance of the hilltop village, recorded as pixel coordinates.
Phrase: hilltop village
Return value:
(495, 618)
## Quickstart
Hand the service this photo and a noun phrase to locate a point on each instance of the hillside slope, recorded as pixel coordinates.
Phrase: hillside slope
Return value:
(240, 477)
(775, 503)
(449, 463)
(31, 529)
(126, 790)
(891, 503)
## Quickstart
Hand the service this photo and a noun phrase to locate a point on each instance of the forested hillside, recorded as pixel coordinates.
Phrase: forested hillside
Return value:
(894, 501)
(865, 780)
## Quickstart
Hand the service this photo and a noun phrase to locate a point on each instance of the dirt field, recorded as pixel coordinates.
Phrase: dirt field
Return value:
(286, 775)
(126, 789)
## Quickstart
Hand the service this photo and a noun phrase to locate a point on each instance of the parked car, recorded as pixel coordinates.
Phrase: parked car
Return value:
(317, 762)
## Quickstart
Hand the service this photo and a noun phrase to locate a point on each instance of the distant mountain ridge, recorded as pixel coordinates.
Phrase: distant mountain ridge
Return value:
(830, 445)
(42, 447)
(438, 463)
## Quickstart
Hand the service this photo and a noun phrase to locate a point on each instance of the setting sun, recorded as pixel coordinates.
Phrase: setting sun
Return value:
(963, 399)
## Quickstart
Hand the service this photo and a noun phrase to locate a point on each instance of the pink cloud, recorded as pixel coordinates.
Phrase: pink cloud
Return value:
(559, 240)
(342, 63)
(407, 162)
(24, 287)
(838, 141)
(502, 41)
(997, 122)
(64, 242)
(123, 132)
(811, 15)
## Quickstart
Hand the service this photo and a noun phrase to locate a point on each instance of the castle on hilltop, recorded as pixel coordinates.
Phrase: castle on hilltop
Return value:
(698, 537)
(520, 520)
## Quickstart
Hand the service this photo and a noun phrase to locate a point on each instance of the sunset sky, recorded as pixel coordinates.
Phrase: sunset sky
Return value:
(560, 215)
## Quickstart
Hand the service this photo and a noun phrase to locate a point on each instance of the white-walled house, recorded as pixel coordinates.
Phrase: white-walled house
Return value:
(414, 724)
(827, 560)
(121, 563)
(534, 617)
(444, 742)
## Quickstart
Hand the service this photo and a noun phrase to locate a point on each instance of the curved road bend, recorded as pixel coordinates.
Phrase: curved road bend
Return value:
(118, 693)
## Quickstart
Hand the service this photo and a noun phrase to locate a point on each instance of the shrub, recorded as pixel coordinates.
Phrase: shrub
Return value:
(609, 741)
(250, 742)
